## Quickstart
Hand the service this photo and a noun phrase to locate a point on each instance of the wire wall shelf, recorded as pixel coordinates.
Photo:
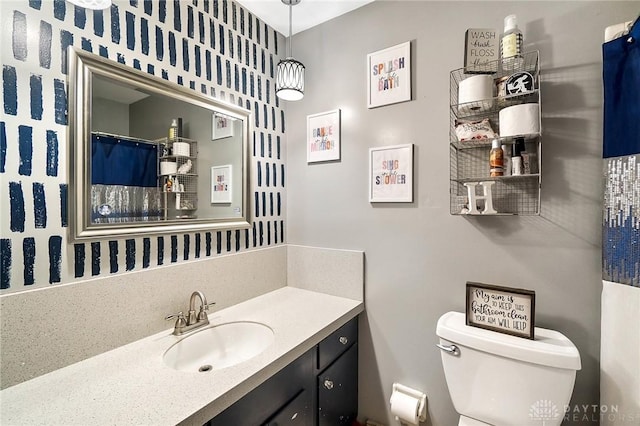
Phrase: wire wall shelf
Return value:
(179, 182)
(469, 159)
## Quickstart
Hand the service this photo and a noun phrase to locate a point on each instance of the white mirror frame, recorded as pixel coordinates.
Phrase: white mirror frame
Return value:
(82, 66)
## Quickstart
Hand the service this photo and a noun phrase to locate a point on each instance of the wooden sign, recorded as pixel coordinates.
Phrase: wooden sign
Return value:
(482, 49)
(502, 309)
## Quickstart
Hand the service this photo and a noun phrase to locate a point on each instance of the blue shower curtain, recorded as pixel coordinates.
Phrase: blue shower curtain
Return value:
(621, 75)
(119, 161)
(124, 175)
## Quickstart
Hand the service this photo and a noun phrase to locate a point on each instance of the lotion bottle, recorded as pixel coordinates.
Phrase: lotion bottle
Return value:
(496, 159)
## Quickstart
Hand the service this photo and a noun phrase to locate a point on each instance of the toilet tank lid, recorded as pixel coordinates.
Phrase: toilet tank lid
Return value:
(549, 347)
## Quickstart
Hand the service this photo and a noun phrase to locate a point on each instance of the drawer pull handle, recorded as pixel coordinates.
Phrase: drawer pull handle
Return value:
(343, 340)
(328, 384)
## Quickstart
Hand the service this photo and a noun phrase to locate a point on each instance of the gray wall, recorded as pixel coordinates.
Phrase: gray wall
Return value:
(418, 257)
(110, 117)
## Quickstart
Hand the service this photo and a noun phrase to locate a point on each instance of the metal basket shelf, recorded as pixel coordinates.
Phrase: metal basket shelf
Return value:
(487, 107)
(510, 196)
(173, 157)
(469, 160)
(481, 143)
(497, 178)
(187, 198)
(497, 69)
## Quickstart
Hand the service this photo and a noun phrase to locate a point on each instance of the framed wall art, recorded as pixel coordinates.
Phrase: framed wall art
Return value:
(503, 309)
(323, 136)
(222, 126)
(391, 174)
(482, 49)
(389, 75)
(221, 188)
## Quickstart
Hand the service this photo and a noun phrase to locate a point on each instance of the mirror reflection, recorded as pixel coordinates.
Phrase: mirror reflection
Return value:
(155, 154)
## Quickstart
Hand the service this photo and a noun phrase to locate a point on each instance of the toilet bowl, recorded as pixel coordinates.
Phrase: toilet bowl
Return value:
(498, 379)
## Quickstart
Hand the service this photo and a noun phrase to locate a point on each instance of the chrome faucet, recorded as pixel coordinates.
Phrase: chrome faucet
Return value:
(193, 321)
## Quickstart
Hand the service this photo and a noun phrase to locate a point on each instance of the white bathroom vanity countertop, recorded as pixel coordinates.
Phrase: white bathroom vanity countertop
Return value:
(132, 385)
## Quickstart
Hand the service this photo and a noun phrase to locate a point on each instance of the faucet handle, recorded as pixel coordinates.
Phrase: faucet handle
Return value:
(181, 321)
(202, 315)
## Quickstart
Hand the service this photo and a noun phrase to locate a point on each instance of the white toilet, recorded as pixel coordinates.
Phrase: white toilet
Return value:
(497, 379)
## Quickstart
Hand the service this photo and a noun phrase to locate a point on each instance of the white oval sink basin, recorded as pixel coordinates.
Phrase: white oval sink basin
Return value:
(219, 346)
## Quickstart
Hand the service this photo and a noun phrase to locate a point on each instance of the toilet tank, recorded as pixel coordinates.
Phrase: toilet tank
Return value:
(506, 380)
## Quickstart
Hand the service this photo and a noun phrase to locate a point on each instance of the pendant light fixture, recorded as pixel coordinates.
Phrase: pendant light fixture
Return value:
(92, 4)
(290, 76)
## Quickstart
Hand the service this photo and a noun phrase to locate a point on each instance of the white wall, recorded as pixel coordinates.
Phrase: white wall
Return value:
(418, 257)
(620, 354)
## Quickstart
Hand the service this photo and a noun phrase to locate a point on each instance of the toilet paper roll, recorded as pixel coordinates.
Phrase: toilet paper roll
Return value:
(477, 89)
(405, 407)
(181, 148)
(519, 120)
(168, 168)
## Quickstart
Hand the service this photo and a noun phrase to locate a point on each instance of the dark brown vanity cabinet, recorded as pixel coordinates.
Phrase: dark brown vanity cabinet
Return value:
(318, 389)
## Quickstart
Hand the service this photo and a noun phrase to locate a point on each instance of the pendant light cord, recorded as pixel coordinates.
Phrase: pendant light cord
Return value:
(290, 25)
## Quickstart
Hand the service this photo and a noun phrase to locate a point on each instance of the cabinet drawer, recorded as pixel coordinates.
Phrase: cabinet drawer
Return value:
(338, 342)
(260, 404)
(295, 413)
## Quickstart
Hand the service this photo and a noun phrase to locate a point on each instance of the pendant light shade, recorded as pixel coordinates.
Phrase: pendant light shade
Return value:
(290, 80)
(290, 75)
(92, 4)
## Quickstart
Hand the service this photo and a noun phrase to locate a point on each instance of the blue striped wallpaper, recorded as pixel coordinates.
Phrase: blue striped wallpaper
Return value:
(213, 46)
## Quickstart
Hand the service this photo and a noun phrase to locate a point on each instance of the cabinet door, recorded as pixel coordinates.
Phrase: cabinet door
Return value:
(295, 413)
(338, 390)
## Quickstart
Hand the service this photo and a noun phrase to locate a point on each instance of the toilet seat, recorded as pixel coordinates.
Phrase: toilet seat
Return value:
(468, 421)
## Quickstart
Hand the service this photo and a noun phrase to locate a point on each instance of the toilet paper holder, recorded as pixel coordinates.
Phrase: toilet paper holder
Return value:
(420, 396)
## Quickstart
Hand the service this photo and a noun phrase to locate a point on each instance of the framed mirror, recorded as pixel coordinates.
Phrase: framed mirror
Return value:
(150, 156)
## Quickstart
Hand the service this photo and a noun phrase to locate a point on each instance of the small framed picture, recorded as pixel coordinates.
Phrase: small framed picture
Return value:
(502, 309)
(482, 50)
(323, 136)
(389, 75)
(222, 126)
(221, 189)
(391, 174)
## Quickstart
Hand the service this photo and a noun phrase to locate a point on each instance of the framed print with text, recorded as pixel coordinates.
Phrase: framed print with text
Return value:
(391, 174)
(221, 189)
(323, 136)
(389, 75)
(222, 126)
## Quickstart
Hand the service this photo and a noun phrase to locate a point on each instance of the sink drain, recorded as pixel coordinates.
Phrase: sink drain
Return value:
(205, 368)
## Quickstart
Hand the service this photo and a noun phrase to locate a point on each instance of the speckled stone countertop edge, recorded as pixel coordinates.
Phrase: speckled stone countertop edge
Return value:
(131, 384)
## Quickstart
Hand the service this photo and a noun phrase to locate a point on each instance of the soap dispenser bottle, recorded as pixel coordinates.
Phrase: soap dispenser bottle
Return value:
(173, 130)
(511, 45)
